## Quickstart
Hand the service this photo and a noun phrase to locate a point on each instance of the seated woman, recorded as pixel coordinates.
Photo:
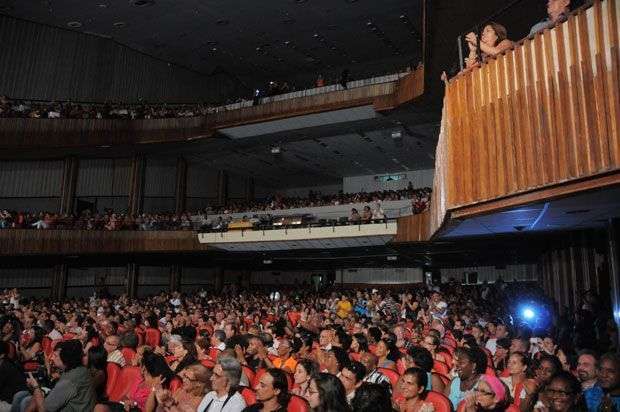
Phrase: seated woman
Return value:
(366, 214)
(518, 384)
(488, 395)
(155, 374)
(326, 393)
(359, 345)
(387, 353)
(306, 369)
(419, 357)
(494, 40)
(33, 349)
(414, 387)
(96, 361)
(271, 392)
(184, 353)
(196, 383)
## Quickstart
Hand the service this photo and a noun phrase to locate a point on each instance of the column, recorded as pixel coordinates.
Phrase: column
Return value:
(222, 187)
(181, 186)
(613, 229)
(136, 185)
(132, 280)
(69, 183)
(249, 189)
(219, 280)
(176, 271)
(59, 282)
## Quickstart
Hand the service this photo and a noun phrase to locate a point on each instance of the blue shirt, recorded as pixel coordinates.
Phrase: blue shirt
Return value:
(594, 397)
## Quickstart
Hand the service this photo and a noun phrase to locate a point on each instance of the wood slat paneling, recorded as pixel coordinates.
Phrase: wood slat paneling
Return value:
(73, 242)
(414, 228)
(542, 115)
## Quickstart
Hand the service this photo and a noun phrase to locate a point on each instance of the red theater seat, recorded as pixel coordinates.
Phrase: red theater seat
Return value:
(392, 375)
(152, 337)
(297, 404)
(439, 401)
(113, 372)
(441, 367)
(128, 354)
(175, 384)
(249, 396)
(128, 377)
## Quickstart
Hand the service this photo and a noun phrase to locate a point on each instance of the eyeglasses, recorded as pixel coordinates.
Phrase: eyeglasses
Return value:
(483, 392)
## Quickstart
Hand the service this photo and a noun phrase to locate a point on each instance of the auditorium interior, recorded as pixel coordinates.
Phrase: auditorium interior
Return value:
(219, 161)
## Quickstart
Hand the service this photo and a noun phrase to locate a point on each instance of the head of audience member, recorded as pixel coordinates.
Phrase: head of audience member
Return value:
(155, 369)
(359, 343)
(469, 362)
(337, 358)
(502, 348)
(196, 379)
(564, 393)
(490, 394)
(327, 394)
(557, 8)
(518, 364)
(218, 338)
(351, 376)
(272, 389)
(520, 344)
(230, 330)
(419, 357)
(371, 397)
(369, 360)
(609, 373)
(326, 338)
(284, 348)
(546, 367)
(413, 384)
(586, 368)
(96, 358)
(111, 343)
(501, 331)
(255, 345)
(304, 371)
(68, 354)
(493, 34)
(226, 375)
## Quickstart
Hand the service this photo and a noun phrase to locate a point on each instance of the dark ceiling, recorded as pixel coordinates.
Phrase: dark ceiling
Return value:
(275, 39)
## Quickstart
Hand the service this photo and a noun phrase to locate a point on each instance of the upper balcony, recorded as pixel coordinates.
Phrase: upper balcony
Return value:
(381, 93)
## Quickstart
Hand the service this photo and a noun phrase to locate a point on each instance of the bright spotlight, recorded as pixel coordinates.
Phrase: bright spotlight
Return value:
(528, 314)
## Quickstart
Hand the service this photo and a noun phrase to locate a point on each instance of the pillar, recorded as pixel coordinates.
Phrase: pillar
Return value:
(249, 189)
(219, 280)
(613, 242)
(222, 187)
(181, 186)
(69, 183)
(176, 271)
(59, 281)
(136, 185)
(132, 280)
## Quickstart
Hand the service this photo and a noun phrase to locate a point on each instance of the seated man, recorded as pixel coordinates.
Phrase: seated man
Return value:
(74, 391)
(557, 11)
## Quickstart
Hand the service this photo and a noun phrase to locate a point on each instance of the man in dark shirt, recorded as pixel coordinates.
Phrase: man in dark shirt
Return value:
(12, 378)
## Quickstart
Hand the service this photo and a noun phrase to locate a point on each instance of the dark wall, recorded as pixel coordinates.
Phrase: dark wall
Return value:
(48, 63)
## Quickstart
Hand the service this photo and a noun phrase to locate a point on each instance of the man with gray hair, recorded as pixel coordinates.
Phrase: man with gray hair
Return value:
(224, 397)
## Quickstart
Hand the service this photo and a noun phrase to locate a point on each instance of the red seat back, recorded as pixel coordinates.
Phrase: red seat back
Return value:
(439, 401)
(208, 363)
(259, 373)
(441, 367)
(113, 372)
(214, 353)
(392, 375)
(444, 378)
(128, 354)
(249, 373)
(249, 396)
(297, 404)
(152, 337)
(46, 345)
(175, 384)
(128, 377)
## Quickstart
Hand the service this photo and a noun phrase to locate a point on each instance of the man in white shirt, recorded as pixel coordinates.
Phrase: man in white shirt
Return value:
(501, 331)
(50, 328)
(224, 380)
(218, 340)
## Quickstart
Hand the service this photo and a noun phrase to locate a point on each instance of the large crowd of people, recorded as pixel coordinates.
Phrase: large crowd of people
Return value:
(418, 349)
(201, 220)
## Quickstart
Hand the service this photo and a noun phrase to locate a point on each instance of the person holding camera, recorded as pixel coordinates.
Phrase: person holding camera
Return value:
(74, 390)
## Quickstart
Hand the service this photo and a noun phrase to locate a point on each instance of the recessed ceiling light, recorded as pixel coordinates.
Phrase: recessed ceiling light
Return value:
(119, 24)
(222, 22)
(212, 43)
(289, 20)
(74, 24)
(300, 1)
(102, 6)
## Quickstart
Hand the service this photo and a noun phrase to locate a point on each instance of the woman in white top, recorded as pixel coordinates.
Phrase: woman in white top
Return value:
(224, 397)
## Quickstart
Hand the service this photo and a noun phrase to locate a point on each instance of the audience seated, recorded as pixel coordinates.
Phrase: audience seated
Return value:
(214, 353)
(110, 220)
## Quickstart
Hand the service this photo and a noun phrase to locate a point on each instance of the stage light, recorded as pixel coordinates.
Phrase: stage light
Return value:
(528, 314)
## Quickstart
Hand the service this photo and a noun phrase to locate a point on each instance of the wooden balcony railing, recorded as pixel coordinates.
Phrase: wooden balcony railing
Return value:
(16, 242)
(543, 114)
(39, 133)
